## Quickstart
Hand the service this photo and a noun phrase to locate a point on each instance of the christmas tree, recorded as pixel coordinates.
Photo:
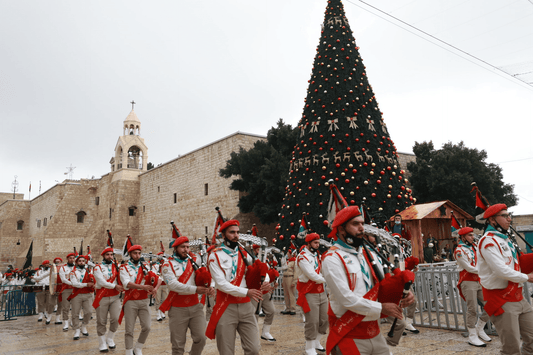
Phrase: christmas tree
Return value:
(342, 136)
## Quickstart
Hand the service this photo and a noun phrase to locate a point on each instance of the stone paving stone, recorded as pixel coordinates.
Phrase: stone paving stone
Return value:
(26, 336)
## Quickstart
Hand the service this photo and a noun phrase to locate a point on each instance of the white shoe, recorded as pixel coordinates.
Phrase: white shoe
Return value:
(110, 341)
(310, 347)
(84, 330)
(137, 348)
(76, 334)
(319, 346)
(480, 328)
(265, 335)
(55, 308)
(129, 351)
(48, 319)
(102, 345)
(410, 327)
(40, 317)
(65, 325)
(159, 316)
(58, 319)
(473, 339)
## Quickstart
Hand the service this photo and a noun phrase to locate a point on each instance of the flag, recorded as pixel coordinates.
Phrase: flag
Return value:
(162, 247)
(218, 222)
(89, 252)
(336, 202)
(30, 186)
(81, 247)
(302, 232)
(110, 242)
(127, 244)
(76, 252)
(254, 230)
(175, 231)
(455, 223)
(29, 255)
(481, 203)
(365, 214)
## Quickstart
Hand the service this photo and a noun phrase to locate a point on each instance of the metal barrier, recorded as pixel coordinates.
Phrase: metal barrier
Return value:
(15, 303)
(439, 302)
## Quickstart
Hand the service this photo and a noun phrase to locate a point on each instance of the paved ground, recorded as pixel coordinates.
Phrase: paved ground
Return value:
(26, 336)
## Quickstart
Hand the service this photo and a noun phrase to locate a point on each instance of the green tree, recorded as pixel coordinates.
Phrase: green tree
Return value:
(149, 166)
(261, 172)
(447, 174)
(341, 136)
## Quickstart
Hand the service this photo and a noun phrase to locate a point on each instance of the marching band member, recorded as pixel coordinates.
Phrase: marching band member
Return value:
(500, 276)
(184, 309)
(233, 310)
(107, 300)
(311, 294)
(411, 263)
(82, 295)
(469, 286)
(42, 279)
(59, 284)
(66, 289)
(289, 285)
(354, 311)
(136, 304)
(210, 300)
(162, 291)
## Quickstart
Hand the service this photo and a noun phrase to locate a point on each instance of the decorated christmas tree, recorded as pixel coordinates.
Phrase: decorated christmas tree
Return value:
(342, 136)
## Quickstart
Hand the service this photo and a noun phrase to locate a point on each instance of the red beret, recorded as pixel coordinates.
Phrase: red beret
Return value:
(180, 240)
(494, 209)
(82, 256)
(311, 236)
(8, 274)
(37, 269)
(210, 249)
(465, 230)
(231, 222)
(106, 250)
(344, 215)
(58, 258)
(255, 246)
(411, 262)
(275, 263)
(46, 262)
(71, 254)
(135, 247)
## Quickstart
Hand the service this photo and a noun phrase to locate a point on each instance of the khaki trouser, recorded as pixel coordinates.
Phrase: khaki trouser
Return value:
(516, 321)
(51, 301)
(65, 304)
(161, 295)
(182, 318)
(399, 327)
(316, 320)
(238, 318)
(111, 306)
(288, 291)
(268, 308)
(132, 310)
(85, 301)
(410, 310)
(374, 346)
(473, 292)
(41, 301)
(209, 304)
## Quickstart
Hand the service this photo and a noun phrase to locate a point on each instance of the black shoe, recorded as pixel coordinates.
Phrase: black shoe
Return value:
(39, 320)
(285, 312)
(272, 340)
(76, 338)
(159, 319)
(261, 315)
(404, 333)
(321, 350)
(292, 313)
(416, 331)
(47, 322)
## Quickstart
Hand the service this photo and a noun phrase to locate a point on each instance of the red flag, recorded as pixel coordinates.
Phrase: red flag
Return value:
(479, 201)
(175, 232)
(89, 252)
(162, 247)
(455, 222)
(254, 230)
(127, 244)
(218, 222)
(336, 202)
(110, 242)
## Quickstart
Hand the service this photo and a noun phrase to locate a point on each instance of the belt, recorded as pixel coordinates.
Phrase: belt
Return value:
(288, 275)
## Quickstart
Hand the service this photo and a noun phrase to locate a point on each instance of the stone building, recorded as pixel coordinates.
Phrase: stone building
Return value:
(128, 200)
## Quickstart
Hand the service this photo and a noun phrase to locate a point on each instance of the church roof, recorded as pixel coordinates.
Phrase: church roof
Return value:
(132, 117)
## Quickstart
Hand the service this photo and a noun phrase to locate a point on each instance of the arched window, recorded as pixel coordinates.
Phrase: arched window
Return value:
(80, 216)
(45, 222)
(131, 210)
(20, 225)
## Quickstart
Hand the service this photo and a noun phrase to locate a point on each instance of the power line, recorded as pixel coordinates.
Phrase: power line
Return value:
(512, 161)
(506, 75)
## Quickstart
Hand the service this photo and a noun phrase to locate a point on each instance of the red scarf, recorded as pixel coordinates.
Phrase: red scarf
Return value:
(106, 292)
(176, 300)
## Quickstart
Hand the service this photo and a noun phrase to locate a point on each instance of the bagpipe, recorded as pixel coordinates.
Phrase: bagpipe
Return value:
(394, 284)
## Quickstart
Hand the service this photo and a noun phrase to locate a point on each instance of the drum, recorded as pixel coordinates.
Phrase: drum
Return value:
(54, 270)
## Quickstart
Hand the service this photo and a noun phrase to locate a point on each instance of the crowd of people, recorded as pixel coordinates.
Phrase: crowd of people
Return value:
(342, 293)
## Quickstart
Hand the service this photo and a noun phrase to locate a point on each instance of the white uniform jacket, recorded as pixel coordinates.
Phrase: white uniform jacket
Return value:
(341, 297)
(42, 278)
(309, 265)
(171, 274)
(64, 272)
(223, 265)
(76, 277)
(102, 273)
(465, 257)
(128, 273)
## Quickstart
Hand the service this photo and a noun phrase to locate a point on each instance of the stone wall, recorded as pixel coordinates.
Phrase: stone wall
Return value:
(4, 196)
(176, 191)
(11, 212)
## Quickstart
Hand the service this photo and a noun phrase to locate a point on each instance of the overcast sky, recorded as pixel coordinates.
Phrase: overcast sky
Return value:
(200, 70)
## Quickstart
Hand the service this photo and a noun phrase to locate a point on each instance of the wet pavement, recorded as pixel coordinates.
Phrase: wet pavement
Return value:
(27, 336)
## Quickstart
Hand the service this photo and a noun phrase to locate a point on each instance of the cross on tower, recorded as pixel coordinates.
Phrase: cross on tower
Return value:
(132, 104)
